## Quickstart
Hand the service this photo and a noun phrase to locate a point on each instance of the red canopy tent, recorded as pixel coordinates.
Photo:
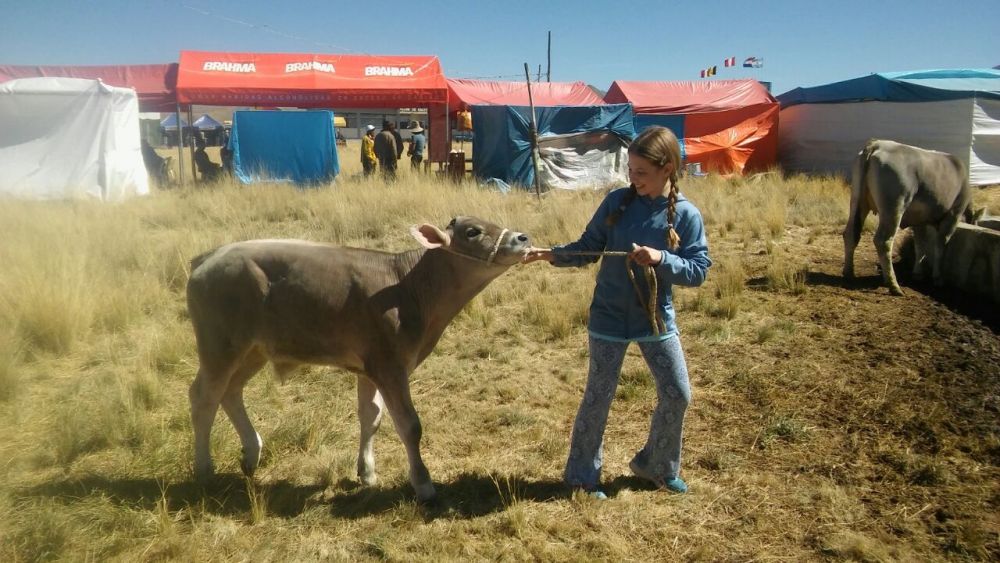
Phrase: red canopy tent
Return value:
(154, 83)
(463, 93)
(319, 81)
(727, 125)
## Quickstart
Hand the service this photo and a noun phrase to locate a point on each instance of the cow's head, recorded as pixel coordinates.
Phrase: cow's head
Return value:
(972, 216)
(475, 238)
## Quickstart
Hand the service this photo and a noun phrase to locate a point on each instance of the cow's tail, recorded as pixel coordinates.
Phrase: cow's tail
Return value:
(859, 187)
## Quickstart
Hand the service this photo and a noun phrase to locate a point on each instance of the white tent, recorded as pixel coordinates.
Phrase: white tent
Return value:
(69, 138)
(821, 129)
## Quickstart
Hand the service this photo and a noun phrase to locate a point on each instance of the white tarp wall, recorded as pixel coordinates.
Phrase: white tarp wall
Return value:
(825, 137)
(592, 160)
(69, 138)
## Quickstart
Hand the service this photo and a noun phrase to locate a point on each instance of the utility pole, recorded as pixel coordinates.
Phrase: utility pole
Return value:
(548, 70)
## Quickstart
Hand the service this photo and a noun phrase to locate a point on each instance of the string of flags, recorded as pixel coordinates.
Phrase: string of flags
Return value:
(749, 62)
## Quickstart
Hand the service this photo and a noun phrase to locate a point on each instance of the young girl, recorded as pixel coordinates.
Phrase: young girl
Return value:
(664, 236)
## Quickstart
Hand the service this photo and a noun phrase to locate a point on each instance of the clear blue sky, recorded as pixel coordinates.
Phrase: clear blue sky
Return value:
(803, 43)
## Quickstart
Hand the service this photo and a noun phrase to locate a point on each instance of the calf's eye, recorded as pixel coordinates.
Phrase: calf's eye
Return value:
(472, 232)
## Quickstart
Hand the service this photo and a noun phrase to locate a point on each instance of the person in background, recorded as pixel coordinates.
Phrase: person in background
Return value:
(417, 143)
(385, 150)
(225, 153)
(154, 163)
(368, 160)
(209, 170)
(664, 236)
(399, 142)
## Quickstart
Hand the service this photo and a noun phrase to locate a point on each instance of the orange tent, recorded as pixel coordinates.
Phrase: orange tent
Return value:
(729, 126)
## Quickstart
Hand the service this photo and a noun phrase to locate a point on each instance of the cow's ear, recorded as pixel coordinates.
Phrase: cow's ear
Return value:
(430, 236)
(977, 215)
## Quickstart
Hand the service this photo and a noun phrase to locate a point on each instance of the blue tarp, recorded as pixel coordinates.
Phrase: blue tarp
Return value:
(170, 122)
(915, 86)
(673, 122)
(282, 146)
(206, 122)
(501, 144)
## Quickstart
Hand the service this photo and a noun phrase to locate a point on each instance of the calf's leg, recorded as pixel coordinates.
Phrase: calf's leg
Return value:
(370, 408)
(396, 393)
(232, 403)
(205, 395)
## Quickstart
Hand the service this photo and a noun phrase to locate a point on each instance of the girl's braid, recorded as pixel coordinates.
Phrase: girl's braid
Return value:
(673, 239)
(627, 199)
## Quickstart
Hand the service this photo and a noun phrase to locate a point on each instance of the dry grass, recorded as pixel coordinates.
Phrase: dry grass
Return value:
(823, 426)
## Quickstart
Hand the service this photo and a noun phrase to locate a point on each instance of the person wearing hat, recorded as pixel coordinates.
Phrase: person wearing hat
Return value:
(386, 151)
(417, 143)
(368, 160)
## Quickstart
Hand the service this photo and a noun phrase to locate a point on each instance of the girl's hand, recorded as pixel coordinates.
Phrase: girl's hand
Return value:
(645, 255)
(535, 254)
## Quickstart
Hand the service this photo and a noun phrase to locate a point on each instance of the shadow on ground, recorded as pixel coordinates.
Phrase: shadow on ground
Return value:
(231, 495)
(225, 495)
(468, 495)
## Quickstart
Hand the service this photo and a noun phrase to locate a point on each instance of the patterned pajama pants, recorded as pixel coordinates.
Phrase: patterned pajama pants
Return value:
(661, 455)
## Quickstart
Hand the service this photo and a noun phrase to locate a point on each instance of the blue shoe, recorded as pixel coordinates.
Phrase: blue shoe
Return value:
(674, 485)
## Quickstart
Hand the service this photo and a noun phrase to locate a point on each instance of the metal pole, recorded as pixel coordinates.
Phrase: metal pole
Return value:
(194, 169)
(533, 133)
(548, 69)
(180, 148)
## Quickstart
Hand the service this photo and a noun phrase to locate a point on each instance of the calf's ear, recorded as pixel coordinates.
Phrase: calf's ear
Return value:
(430, 236)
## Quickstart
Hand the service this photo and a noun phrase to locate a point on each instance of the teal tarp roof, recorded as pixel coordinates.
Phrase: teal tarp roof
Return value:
(913, 86)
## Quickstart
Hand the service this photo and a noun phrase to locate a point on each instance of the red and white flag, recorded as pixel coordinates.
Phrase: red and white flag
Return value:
(731, 61)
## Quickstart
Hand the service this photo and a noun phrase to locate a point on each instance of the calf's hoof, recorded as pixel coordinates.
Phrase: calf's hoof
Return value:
(896, 291)
(250, 459)
(368, 479)
(425, 492)
(204, 473)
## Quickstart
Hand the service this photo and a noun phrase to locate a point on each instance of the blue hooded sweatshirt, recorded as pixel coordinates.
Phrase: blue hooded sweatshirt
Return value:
(616, 312)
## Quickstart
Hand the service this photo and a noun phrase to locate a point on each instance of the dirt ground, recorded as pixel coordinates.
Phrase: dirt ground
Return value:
(897, 398)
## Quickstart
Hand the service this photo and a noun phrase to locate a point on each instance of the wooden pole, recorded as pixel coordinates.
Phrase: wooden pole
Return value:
(534, 134)
(180, 148)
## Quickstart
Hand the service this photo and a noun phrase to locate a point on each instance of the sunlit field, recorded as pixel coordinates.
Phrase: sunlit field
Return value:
(828, 421)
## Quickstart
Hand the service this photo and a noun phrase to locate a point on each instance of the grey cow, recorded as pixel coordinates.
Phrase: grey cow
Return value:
(906, 187)
(375, 313)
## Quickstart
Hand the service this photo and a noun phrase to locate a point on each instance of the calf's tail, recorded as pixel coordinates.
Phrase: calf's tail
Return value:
(200, 259)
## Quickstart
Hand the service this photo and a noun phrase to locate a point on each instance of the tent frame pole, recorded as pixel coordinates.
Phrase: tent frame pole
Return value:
(194, 170)
(180, 146)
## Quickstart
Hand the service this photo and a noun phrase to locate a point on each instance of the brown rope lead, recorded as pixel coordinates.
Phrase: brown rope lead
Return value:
(650, 305)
